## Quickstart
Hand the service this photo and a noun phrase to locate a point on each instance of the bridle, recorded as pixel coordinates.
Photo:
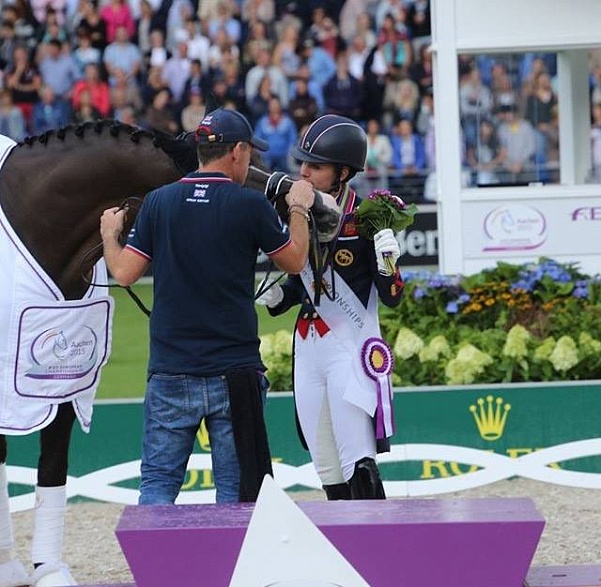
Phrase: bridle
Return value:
(125, 205)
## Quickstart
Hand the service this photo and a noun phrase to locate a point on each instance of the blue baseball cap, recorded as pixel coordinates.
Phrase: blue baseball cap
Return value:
(227, 126)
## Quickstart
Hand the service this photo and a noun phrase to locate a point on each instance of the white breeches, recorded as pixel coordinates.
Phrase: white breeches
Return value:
(337, 432)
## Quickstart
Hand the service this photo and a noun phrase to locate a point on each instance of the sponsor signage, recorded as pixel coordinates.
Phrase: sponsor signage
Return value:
(447, 439)
(567, 228)
(419, 243)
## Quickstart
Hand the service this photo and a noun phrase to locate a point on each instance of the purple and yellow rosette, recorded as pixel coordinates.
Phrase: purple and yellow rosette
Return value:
(378, 361)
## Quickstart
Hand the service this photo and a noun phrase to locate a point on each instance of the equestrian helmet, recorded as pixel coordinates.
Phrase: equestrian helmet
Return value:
(333, 139)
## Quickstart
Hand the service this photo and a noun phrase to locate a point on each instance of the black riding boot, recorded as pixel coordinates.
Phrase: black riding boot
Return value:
(338, 491)
(365, 482)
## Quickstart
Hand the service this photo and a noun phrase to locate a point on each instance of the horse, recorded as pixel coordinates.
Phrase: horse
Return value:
(53, 190)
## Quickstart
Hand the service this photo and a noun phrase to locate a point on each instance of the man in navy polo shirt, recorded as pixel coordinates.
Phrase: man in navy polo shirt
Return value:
(202, 235)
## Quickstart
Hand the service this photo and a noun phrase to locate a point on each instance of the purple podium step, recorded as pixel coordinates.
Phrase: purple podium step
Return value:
(564, 576)
(392, 543)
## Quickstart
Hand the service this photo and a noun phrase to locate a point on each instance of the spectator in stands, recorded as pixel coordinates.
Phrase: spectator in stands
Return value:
(366, 30)
(194, 111)
(24, 81)
(12, 121)
(320, 63)
(419, 23)
(313, 87)
(258, 106)
(144, 24)
(88, 18)
(540, 107)
(225, 21)
(158, 54)
(177, 15)
(124, 92)
(408, 154)
(122, 55)
(503, 91)
(197, 81)
(199, 45)
(279, 130)
(115, 14)
(475, 103)
(234, 83)
(379, 157)
(518, 138)
(256, 38)
(159, 115)
(401, 100)
(343, 94)
(85, 110)
(253, 11)
(222, 48)
(51, 29)
(303, 107)
(176, 70)
(374, 83)
(24, 22)
(8, 42)
(58, 68)
(51, 112)
(486, 157)
(263, 67)
(323, 31)
(396, 48)
(152, 84)
(348, 19)
(285, 55)
(357, 55)
(394, 8)
(425, 114)
(421, 71)
(96, 88)
(84, 52)
(595, 174)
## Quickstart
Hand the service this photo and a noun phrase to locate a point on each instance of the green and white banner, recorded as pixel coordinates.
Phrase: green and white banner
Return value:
(448, 439)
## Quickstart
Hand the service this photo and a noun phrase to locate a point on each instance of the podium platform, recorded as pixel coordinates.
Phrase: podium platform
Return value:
(391, 543)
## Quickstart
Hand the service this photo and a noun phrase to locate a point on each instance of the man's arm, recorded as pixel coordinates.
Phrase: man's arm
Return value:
(125, 265)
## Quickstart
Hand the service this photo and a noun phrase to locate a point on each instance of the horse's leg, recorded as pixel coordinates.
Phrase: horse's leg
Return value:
(51, 502)
(12, 572)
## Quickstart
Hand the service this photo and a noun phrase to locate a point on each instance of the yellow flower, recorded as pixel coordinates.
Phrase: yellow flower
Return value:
(588, 345)
(436, 348)
(407, 344)
(469, 362)
(516, 344)
(564, 355)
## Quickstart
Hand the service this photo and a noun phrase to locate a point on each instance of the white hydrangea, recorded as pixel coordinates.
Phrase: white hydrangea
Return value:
(407, 344)
(564, 355)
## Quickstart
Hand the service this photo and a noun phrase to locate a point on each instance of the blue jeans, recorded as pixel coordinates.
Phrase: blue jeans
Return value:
(174, 406)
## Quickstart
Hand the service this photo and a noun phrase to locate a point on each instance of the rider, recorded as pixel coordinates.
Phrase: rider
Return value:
(335, 401)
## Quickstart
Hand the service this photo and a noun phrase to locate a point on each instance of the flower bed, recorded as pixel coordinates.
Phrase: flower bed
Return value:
(513, 323)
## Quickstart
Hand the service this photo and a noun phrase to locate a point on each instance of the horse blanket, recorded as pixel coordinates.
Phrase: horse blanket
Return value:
(51, 349)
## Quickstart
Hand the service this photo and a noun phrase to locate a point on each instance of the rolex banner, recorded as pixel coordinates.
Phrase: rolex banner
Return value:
(447, 439)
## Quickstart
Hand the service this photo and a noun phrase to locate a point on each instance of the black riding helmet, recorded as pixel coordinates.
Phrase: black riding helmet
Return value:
(333, 139)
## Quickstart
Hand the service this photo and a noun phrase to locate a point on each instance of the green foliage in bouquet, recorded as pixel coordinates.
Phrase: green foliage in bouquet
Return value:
(513, 323)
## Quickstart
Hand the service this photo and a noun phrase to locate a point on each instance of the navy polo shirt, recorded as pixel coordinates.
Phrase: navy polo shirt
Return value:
(203, 234)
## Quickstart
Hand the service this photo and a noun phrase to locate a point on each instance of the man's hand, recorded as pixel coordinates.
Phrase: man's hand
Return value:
(301, 194)
(111, 223)
(272, 297)
(387, 251)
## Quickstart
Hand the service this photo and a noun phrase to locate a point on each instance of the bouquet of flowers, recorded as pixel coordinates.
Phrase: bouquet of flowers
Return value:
(381, 210)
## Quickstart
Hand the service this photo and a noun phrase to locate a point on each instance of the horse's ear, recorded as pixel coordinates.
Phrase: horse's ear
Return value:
(211, 103)
(181, 149)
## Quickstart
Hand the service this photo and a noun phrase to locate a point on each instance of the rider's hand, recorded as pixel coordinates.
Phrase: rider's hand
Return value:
(272, 297)
(387, 251)
(301, 194)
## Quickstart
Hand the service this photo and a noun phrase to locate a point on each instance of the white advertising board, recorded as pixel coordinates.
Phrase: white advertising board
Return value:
(520, 230)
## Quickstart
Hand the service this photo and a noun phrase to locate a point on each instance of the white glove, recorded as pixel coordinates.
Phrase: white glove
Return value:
(272, 297)
(387, 251)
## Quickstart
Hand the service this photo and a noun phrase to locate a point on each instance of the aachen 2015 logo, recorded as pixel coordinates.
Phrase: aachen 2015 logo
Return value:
(57, 353)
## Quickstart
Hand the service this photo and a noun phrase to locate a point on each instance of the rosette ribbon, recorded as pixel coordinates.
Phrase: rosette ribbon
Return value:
(378, 361)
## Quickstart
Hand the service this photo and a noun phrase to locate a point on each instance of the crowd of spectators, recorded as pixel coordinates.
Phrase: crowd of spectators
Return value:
(153, 63)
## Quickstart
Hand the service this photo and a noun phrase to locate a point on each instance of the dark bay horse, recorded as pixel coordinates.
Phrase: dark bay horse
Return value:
(53, 190)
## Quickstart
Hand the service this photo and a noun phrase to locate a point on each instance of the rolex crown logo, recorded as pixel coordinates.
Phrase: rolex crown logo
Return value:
(490, 416)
